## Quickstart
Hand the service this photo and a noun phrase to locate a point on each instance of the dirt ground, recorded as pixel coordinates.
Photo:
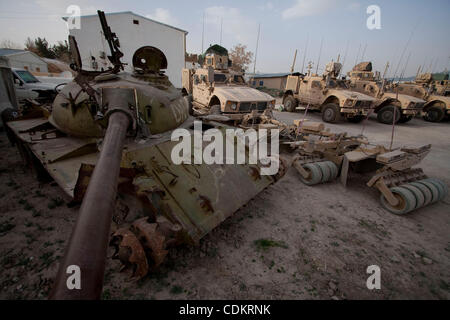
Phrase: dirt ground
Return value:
(290, 242)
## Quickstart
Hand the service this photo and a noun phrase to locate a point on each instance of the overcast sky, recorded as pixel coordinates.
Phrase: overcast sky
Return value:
(418, 29)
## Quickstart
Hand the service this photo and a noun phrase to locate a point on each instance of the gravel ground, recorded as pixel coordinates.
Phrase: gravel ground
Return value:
(290, 242)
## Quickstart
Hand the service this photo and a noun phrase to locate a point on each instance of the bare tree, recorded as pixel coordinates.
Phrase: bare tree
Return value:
(240, 57)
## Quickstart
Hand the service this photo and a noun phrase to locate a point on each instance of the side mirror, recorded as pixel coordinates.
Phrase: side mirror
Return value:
(17, 81)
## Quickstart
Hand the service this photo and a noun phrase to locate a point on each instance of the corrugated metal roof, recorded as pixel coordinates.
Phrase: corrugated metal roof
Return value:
(7, 52)
(132, 13)
(269, 75)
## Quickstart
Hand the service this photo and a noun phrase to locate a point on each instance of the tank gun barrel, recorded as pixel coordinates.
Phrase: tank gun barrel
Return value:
(89, 240)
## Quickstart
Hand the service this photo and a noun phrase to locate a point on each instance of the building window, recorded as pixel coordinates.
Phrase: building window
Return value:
(38, 69)
(135, 21)
(26, 68)
(261, 83)
(253, 83)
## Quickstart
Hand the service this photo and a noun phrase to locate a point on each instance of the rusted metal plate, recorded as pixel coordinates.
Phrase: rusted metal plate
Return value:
(22, 128)
(53, 150)
(200, 196)
(65, 172)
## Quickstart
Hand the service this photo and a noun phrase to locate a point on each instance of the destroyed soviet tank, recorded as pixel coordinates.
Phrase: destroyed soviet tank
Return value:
(112, 130)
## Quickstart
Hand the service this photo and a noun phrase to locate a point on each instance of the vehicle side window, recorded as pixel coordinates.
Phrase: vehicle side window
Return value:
(316, 85)
(219, 77)
(16, 78)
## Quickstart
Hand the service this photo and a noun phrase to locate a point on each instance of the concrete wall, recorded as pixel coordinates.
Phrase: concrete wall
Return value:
(27, 61)
(132, 37)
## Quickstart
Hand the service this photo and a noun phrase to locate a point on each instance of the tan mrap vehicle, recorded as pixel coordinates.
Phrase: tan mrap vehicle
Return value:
(435, 93)
(216, 89)
(387, 104)
(327, 94)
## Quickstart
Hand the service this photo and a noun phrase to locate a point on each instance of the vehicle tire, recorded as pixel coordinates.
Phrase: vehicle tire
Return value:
(404, 119)
(215, 109)
(420, 198)
(439, 186)
(316, 174)
(406, 198)
(290, 103)
(434, 190)
(442, 183)
(334, 169)
(355, 119)
(434, 114)
(326, 171)
(331, 113)
(386, 114)
(425, 191)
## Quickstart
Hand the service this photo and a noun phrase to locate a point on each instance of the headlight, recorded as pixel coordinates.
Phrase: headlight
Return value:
(234, 106)
(272, 103)
(349, 102)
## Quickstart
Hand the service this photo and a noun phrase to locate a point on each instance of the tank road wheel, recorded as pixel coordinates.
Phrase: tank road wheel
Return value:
(439, 186)
(315, 174)
(334, 169)
(331, 113)
(434, 190)
(326, 171)
(407, 201)
(290, 103)
(386, 114)
(404, 119)
(355, 119)
(434, 114)
(420, 198)
(215, 109)
(425, 191)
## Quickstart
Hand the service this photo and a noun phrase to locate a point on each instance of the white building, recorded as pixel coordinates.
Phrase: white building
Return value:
(134, 31)
(23, 59)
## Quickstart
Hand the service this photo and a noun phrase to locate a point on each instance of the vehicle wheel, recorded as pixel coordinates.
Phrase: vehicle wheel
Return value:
(404, 119)
(326, 171)
(442, 183)
(315, 174)
(425, 191)
(434, 114)
(439, 186)
(331, 113)
(355, 119)
(215, 109)
(386, 114)
(407, 201)
(434, 190)
(420, 198)
(290, 103)
(334, 169)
